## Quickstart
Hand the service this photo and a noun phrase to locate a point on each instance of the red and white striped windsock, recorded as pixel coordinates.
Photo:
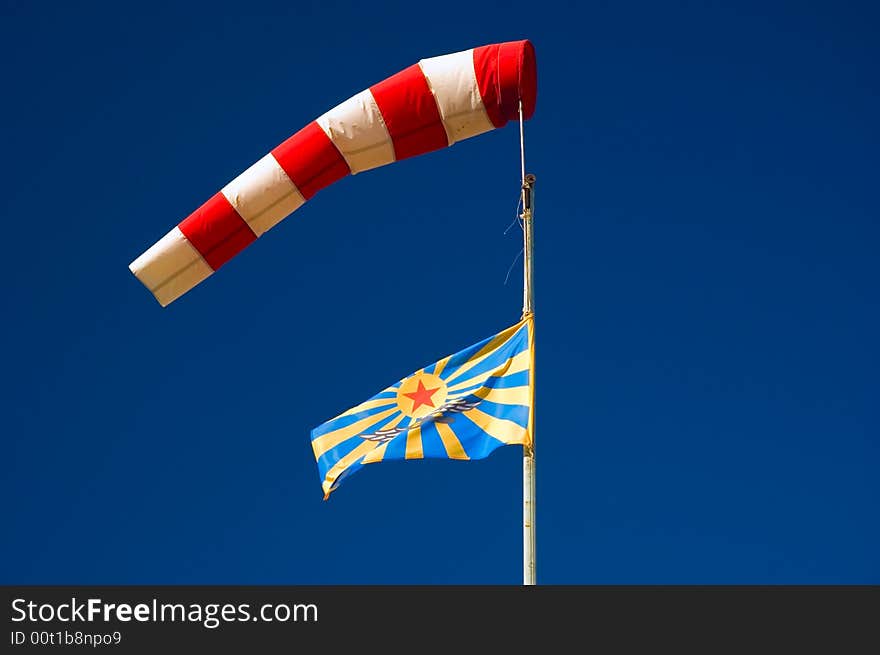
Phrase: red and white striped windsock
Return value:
(425, 107)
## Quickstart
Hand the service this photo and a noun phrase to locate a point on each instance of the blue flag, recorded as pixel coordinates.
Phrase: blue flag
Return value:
(462, 407)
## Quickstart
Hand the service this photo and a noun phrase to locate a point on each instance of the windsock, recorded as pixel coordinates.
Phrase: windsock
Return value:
(430, 105)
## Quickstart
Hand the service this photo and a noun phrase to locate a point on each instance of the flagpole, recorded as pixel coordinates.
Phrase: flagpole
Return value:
(528, 182)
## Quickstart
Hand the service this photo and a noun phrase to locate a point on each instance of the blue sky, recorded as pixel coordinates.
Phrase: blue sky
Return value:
(706, 281)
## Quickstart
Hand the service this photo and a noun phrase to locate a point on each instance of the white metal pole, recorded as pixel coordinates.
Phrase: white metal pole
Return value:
(528, 181)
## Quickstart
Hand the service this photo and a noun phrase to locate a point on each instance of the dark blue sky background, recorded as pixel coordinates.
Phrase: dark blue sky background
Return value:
(706, 292)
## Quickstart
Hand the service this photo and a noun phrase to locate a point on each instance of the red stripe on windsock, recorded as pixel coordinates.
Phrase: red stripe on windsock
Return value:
(311, 160)
(217, 231)
(410, 113)
(507, 73)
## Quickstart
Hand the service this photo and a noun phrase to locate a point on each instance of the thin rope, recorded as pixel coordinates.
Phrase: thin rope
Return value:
(522, 145)
(522, 163)
(516, 215)
(512, 264)
(517, 220)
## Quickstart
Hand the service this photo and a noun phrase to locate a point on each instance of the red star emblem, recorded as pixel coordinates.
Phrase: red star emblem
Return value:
(421, 396)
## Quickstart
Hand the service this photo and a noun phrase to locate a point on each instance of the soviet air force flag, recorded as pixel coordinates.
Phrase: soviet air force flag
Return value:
(462, 407)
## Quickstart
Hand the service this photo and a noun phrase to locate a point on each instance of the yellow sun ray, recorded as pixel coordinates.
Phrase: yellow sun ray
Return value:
(516, 364)
(506, 396)
(484, 352)
(344, 463)
(501, 428)
(377, 454)
(453, 446)
(438, 369)
(414, 443)
(332, 439)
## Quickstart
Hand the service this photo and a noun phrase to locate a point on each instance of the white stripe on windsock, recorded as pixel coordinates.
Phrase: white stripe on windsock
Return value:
(358, 131)
(263, 195)
(454, 83)
(170, 267)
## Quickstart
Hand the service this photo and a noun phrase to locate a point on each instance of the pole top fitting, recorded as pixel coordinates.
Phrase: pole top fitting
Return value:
(528, 183)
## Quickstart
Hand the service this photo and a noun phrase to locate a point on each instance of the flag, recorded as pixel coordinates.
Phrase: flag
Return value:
(462, 407)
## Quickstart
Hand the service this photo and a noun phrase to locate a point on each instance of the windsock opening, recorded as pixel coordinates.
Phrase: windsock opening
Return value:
(507, 73)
